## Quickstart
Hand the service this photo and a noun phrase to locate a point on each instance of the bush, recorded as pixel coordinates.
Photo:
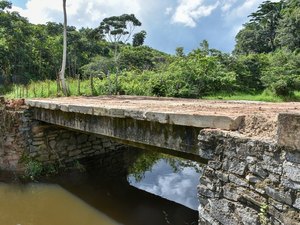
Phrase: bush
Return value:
(33, 169)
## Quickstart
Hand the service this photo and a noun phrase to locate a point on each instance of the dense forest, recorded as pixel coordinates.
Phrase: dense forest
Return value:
(112, 58)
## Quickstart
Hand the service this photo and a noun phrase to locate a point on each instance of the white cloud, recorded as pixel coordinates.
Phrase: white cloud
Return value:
(180, 187)
(168, 10)
(80, 12)
(227, 5)
(188, 12)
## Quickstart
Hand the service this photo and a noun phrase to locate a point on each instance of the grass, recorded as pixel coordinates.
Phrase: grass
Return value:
(48, 88)
(266, 96)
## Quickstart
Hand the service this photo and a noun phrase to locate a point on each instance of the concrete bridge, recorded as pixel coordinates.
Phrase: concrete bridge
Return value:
(164, 125)
(251, 150)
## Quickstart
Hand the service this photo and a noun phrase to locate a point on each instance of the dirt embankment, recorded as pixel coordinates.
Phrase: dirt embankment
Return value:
(12, 104)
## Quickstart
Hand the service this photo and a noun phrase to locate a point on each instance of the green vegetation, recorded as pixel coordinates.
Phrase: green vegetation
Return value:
(264, 66)
(35, 169)
(263, 219)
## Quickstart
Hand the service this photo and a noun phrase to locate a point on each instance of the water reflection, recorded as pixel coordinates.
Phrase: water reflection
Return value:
(170, 178)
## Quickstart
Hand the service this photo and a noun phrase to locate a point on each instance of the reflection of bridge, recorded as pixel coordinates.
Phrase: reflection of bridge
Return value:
(251, 149)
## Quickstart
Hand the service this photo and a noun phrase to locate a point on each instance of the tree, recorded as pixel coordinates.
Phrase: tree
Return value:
(251, 39)
(267, 16)
(118, 29)
(258, 35)
(179, 51)
(139, 38)
(64, 59)
(5, 5)
(288, 32)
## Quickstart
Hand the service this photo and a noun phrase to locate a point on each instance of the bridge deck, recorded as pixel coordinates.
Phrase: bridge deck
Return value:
(251, 118)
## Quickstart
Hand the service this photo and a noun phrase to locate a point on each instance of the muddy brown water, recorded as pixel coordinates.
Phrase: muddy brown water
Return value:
(91, 198)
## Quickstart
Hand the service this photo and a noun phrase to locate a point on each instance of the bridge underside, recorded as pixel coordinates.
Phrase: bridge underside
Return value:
(172, 139)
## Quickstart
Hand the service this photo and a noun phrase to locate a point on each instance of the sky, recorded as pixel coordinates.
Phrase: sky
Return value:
(169, 23)
(179, 186)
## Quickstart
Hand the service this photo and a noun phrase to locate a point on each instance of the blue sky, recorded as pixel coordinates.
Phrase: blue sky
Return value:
(169, 23)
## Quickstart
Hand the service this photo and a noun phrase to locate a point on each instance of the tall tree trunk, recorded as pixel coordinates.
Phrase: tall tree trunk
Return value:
(64, 60)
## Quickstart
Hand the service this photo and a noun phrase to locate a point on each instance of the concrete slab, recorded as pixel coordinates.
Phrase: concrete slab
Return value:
(162, 116)
(260, 117)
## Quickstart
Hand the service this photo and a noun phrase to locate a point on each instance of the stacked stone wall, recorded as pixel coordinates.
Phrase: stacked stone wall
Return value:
(53, 144)
(248, 181)
(23, 139)
(14, 133)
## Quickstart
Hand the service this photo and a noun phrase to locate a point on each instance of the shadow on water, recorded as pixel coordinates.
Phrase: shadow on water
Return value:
(124, 203)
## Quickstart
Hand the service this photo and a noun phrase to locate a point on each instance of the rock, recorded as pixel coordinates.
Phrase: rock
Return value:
(274, 166)
(251, 196)
(251, 159)
(203, 190)
(222, 176)
(293, 156)
(279, 195)
(291, 171)
(276, 204)
(215, 164)
(238, 181)
(297, 203)
(230, 192)
(82, 138)
(247, 215)
(237, 167)
(258, 170)
(205, 218)
(290, 184)
(253, 179)
(223, 211)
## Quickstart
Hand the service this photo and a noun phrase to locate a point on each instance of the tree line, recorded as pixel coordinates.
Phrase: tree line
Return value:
(113, 58)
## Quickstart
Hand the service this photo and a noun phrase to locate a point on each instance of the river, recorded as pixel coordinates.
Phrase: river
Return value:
(158, 190)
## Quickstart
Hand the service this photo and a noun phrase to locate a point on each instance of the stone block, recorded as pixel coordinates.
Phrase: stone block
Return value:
(223, 176)
(291, 171)
(278, 205)
(279, 195)
(297, 202)
(247, 216)
(237, 167)
(230, 192)
(293, 156)
(258, 170)
(272, 165)
(288, 131)
(215, 164)
(251, 159)
(253, 179)
(206, 153)
(290, 184)
(238, 181)
(247, 195)
(222, 210)
(74, 153)
(204, 191)
(52, 144)
(205, 218)
(82, 138)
